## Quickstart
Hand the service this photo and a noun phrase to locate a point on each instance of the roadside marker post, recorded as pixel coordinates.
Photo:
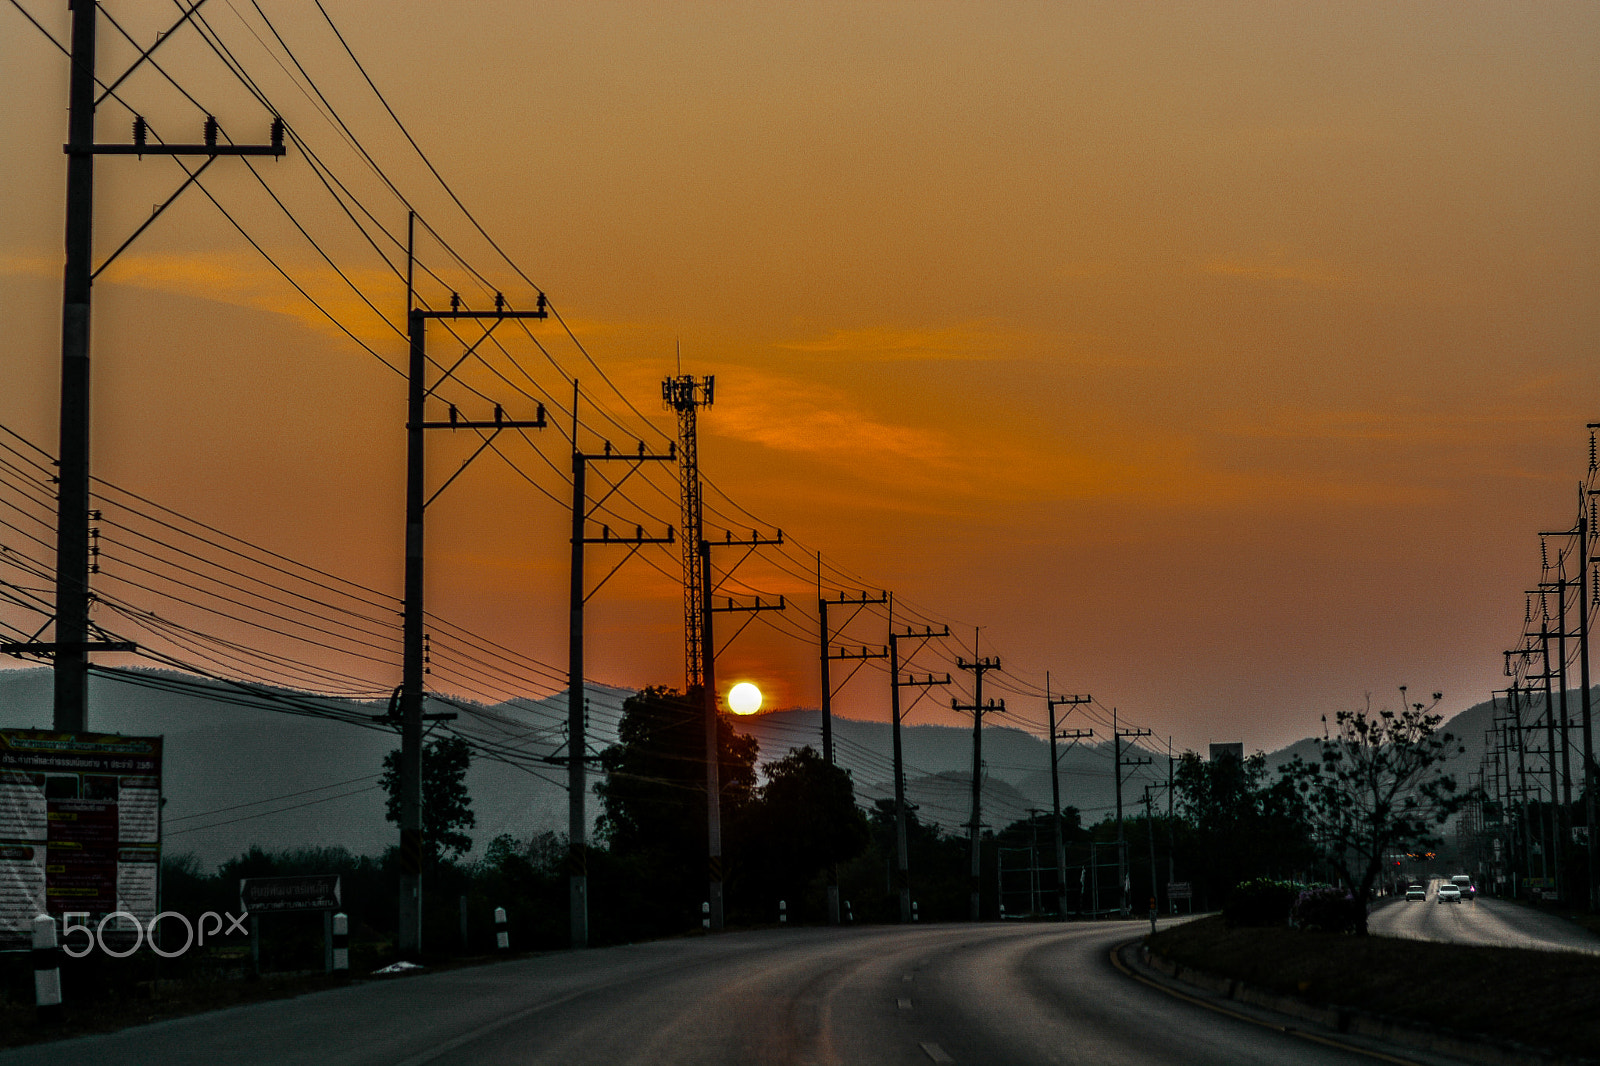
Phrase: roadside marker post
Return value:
(341, 943)
(502, 938)
(46, 969)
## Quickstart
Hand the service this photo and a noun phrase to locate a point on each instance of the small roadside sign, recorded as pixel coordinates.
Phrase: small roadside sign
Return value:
(307, 892)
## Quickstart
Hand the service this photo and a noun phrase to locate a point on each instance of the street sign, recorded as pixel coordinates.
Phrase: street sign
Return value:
(307, 892)
(1180, 890)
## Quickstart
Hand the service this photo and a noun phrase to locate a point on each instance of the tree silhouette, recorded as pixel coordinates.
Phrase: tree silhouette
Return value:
(1379, 788)
(446, 805)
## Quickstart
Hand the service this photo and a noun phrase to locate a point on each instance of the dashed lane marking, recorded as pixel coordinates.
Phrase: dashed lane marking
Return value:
(905, 1002)
(935, 1052)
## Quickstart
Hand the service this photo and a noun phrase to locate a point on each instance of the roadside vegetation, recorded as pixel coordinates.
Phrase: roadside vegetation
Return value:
(1528, 997)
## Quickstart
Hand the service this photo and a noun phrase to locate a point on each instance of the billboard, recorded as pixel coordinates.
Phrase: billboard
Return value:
(80, 826)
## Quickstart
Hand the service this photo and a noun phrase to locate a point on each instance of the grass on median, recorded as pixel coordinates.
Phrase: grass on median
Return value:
(1543, 999)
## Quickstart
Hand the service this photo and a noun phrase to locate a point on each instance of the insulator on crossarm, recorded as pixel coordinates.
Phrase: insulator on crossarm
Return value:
(211, 132)
(277, 132)
(455, 301)
(1591, 452)
(1544, 555)
(141, 134)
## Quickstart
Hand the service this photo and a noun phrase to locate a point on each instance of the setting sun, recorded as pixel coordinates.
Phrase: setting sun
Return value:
(744, 698)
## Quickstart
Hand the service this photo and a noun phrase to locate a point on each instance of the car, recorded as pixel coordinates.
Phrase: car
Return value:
(1416, 893)
(1449, 892)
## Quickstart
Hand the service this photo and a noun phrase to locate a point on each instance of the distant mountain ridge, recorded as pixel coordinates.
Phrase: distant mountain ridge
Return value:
(320, 776)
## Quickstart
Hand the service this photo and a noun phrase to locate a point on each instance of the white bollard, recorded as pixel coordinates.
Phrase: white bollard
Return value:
(913, 910)
(705, 915)
(502, 938)
(783, 912)
(849, 915)
(46, 969)
(341, 943)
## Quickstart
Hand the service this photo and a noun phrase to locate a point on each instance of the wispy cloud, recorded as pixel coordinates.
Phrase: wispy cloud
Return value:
(244, 281)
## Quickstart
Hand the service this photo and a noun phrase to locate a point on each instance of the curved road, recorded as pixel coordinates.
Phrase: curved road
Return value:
(1482, 921)
(990, 994)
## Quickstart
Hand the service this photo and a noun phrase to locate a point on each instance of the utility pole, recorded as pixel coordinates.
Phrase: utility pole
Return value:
(978, 666)
(73, 642)
(902, 858)
(1051, 703)
(828, 654)
(708, 692)
(685, 394)
(409, 940)
(1550, 758)
(1586, 526)
(1150, 831)
(1118, 736)
(578, 758)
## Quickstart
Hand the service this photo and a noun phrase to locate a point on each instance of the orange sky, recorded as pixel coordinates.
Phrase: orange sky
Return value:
(1221, 359)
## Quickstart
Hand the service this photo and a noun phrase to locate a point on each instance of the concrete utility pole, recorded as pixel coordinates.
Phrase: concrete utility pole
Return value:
(1550, 758)
(902, 859)
(827, 653)
(409, 939)
(1118, 736)
(1051, 703)
(979, 667)
(1150, 831)
(577, 757)
(73, 640)
(1586, 526)
(708, 693)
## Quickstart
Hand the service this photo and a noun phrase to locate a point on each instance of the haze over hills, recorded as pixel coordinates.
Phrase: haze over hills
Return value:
(242, 775)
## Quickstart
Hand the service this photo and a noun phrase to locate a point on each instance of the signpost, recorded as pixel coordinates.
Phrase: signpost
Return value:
(1177, 890)
(80, 828)
(291, 895)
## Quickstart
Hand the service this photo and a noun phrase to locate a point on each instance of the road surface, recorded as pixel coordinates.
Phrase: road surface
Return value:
(1481, 921)
(988, 994)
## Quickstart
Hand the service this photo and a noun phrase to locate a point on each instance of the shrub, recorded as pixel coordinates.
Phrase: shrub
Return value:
(1261, 901)
(1326, 907)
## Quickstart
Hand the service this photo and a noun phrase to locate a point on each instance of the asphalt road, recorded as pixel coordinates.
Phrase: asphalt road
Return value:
(1481, 921)
(991, 994)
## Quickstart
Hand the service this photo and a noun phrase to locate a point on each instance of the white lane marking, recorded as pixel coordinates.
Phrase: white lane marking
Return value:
(935, 1052)
(905, 1002)
(905, 977)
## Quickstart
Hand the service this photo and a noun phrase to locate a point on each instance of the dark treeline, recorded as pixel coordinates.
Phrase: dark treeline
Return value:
(789, 825)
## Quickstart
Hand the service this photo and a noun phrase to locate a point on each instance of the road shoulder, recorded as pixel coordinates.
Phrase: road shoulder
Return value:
(1377, 1036)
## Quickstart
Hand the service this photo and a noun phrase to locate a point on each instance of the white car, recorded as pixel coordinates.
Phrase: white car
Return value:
(1449, 893)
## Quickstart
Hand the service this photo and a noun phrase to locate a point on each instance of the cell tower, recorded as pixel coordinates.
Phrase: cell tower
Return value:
(685, 394)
